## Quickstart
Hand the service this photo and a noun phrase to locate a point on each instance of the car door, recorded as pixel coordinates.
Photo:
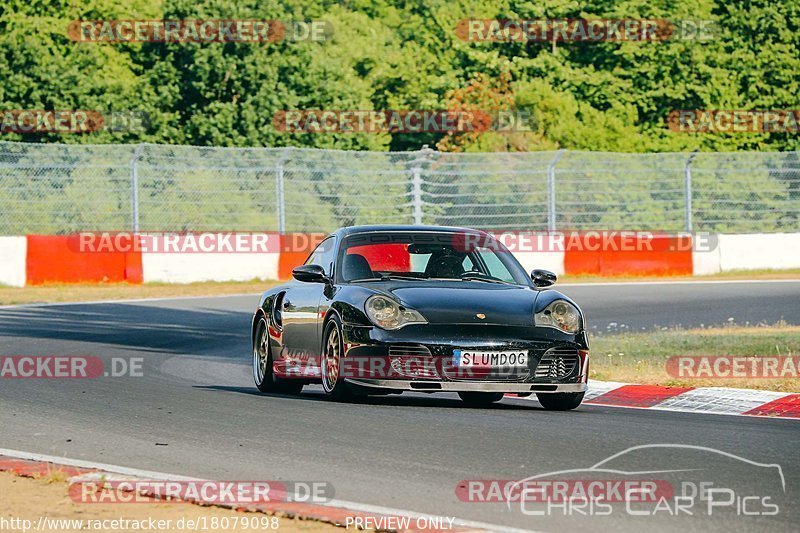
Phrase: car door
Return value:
(301, 307)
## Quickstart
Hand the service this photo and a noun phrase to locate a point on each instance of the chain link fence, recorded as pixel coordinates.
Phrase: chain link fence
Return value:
(58, 189)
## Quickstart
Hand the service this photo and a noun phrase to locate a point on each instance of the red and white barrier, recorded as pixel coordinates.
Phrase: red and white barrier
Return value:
(13, 252)
(255, 256)
(552, 261)
(195, 267)
(59, 259)
(38, 259)
(705, 262)
(758, 251)
(647, 255)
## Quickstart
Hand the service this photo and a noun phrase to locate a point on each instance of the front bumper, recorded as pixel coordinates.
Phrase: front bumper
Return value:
(468, 386)
(421, 357)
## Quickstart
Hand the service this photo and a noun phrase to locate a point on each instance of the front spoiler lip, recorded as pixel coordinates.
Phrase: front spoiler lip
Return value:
(468, 386)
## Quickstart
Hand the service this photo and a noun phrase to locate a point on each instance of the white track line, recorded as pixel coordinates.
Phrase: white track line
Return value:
(161, 476)
(78, 463)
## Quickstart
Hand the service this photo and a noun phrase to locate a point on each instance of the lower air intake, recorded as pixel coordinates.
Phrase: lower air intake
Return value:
(557, 363)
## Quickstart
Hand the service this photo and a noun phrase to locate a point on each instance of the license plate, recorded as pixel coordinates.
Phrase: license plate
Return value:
(483, 359)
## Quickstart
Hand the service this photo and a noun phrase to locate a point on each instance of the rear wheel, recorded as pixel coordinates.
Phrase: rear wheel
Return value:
(333, 361)
(560, 401)
(480, 399)
(263, 374)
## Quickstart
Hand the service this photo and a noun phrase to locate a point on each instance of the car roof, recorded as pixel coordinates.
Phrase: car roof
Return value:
(352, 230)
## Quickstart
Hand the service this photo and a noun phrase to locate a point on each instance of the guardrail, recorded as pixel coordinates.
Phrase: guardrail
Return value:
(58, 189)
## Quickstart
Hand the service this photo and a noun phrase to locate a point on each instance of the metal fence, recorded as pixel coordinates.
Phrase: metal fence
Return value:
(56, 189)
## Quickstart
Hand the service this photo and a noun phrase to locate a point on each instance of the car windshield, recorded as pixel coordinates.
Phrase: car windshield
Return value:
(427, 256)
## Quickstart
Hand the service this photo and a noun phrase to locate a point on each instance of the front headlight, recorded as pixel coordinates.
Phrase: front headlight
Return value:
(388, 314)
(561, 315)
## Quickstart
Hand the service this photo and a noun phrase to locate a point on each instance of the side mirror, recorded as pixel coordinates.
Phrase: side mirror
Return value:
(543, 278)
(310, 274)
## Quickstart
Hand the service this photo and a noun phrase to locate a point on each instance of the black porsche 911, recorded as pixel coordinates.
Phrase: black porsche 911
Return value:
(386, 309)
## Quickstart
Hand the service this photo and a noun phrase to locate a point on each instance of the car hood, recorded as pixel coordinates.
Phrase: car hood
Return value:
(463, 302)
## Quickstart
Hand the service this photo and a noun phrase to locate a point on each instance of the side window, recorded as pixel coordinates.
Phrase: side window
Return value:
(496, 267)
(469, 265)
(324, 255)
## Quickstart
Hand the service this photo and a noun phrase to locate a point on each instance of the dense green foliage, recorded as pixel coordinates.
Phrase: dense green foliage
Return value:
(611, 96)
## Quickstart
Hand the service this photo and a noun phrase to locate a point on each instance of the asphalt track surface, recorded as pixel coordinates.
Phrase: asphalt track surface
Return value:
(195, 412)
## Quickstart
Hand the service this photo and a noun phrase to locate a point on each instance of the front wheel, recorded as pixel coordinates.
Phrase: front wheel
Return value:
(263, 375)
(333, 361)
(560, 401)
(480, 399)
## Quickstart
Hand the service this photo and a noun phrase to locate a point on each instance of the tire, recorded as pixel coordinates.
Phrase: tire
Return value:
(560, 401)
(480, 399)
(331, 362)
(264, 377)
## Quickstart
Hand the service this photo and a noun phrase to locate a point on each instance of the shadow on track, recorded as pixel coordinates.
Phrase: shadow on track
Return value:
(393, 400)
(146, 328)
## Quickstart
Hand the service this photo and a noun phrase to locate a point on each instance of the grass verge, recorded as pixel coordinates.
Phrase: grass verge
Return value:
(80, 292)
(641, 357)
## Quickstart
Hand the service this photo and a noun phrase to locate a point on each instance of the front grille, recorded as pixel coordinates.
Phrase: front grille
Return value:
(408, 350)
(557, 363)
(412, 361)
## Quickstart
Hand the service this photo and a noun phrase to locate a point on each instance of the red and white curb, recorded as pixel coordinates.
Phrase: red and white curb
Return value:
(335, 512)
(712, 400)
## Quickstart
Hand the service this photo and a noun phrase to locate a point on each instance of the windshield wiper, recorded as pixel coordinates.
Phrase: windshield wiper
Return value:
(400, 276)
(487, 280)
(387, 277)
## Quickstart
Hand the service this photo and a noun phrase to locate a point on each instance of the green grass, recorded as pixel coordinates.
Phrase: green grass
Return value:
(641, 357)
